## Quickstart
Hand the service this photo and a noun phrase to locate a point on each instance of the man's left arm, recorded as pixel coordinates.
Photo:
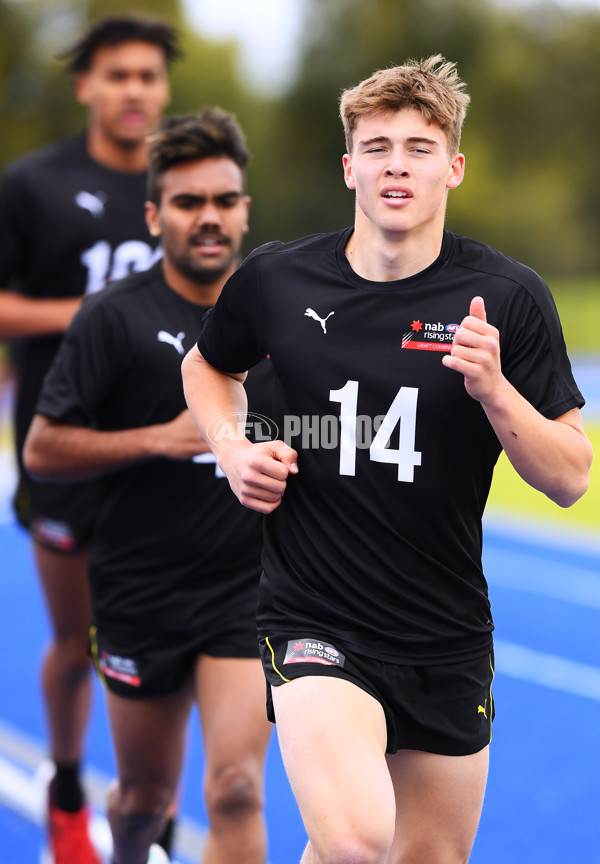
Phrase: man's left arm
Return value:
(553, 456)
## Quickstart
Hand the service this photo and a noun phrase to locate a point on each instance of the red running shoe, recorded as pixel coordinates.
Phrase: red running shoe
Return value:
(68, 836)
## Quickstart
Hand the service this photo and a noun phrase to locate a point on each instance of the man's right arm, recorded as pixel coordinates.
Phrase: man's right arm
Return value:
(257, 473)
(24, 317)
(60, 453)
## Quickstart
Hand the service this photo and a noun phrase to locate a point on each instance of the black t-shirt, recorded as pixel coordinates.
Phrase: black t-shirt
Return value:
(67, 226)
(171, 541)
(378, 538)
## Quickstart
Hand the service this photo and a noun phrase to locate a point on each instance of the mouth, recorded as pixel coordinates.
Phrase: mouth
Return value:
(212, 242)
(133, 117)
(391, 193)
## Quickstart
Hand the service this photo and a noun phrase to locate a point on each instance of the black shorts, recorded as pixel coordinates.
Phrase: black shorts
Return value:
(439, 709)
(139, 666)
(58, 516)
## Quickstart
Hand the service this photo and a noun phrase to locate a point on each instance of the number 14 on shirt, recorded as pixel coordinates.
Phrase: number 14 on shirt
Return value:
(403, 411)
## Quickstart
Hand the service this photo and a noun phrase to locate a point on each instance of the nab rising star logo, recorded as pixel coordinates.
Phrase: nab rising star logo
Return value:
(430, 337)
(92, 203)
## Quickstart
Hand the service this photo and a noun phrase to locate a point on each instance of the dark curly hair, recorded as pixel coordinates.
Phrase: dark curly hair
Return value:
(116, 29)
(212, 133)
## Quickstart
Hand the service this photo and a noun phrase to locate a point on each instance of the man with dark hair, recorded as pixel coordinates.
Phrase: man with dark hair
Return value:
(373, 609)
(117, 30)
(71, 219)
(175, 560)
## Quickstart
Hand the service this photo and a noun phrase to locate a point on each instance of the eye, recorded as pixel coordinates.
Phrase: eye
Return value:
(185, 203)
(227, 201)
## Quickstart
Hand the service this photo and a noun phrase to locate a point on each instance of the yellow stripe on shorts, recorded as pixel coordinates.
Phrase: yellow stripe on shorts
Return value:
(95, 657)
(491, 696)
(283, 678)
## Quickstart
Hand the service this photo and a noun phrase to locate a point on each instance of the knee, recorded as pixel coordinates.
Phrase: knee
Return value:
(350, 847)
(72, 659)
(135, 804)
(232, 793)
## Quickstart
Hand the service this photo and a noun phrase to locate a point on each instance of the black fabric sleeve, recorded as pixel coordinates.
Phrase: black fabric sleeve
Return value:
(533, 351)
(88, 361)
(231, 335)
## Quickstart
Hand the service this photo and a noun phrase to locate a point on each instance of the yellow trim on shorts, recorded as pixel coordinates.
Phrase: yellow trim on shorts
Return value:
(95, 654)
(491, 697)
(287, 680)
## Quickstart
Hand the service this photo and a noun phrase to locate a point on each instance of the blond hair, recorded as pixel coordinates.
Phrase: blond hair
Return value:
(432, 86)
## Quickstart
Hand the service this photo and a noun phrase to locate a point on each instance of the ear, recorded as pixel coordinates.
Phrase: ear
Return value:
(247, 200)
(456, 172)
(348, 175)
(167, 95)
(82, 88)
(151, 214)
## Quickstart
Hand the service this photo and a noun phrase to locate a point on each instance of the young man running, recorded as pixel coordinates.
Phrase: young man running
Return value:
(72, 218)
(373, 609)
(175, 560)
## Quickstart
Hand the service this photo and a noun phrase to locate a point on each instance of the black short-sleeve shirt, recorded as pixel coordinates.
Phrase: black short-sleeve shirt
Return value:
(171, 543)
(378, 537)
(68, 225)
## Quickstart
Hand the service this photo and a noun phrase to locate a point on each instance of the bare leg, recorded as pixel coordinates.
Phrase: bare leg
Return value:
(149, 741)
(66, 667)
(236, 732)
(439, 801)
(333, 736)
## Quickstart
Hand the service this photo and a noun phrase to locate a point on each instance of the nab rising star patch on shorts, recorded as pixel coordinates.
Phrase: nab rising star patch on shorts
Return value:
(313, 651)
(120, 668)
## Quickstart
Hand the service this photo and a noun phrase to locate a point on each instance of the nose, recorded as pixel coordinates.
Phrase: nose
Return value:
(137, 87)
(397, 163)
(134, 88)
(209, 214)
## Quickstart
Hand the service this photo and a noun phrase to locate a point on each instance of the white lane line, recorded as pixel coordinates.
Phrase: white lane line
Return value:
(548, 670)
(571, 584)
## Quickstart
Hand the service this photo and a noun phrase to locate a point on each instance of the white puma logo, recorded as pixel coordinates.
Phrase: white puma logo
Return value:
(175, 341)
(93, 203)
(312, 314)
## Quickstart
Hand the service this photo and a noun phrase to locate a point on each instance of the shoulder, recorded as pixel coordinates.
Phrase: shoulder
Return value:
(471, 255)
(312, 243)
(54, 156)
(121, 297)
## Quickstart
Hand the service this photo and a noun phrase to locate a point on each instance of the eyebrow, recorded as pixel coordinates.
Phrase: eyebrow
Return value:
(192, 196)
(414, 139)
(420, 139)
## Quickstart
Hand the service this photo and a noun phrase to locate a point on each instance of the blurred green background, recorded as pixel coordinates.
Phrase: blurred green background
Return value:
(532, 186)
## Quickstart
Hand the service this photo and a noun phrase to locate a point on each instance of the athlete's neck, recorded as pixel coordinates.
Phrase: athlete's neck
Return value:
(129, 157)
(200, 293)
(382, 257)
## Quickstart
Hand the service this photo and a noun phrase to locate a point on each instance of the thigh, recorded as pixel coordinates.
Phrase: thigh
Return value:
(149, 736)
(438, 805)
(333, 737)
(230, 692)
(66, 589)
